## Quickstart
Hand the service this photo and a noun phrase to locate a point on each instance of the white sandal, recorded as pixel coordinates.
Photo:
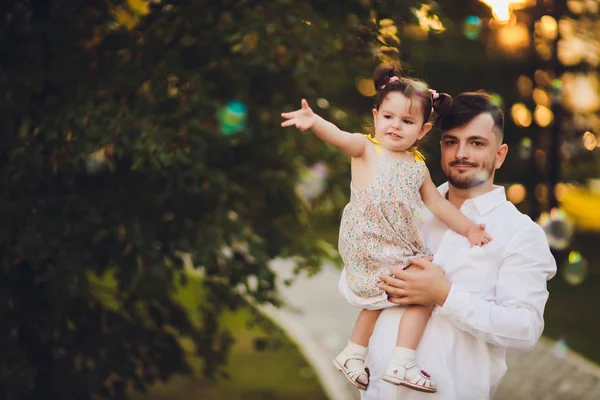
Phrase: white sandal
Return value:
(411, 376)
(352, 373)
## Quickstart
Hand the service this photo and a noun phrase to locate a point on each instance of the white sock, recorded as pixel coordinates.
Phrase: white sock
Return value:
(403, 355)
(356, 349)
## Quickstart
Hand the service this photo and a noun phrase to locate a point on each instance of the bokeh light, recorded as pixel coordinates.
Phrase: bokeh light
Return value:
(582, 92)
(516, 193)
(339, 115)
(96, 162)
(501, 9)
(524, 86)
(556, 89)
(557, 227)
(571, 50)
(312, 181)
(543, 50)
(541, 194)
(323, 103)
(560, 189)
(232, 118)
(566, 27)
(543, 77)
(496, 99)
(525, 147)
(543, 116)
(428, 21)
(548, 27)
(576, 269)
(576, 6)
(472, 27)
(366, 87)
(513, 38)
(482, 175)
(590, 141)
(541, 98)
(521, 115)
(560, 349)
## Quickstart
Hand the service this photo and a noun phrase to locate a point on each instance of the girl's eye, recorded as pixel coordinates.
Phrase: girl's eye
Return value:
(387, 116)
(408, 121)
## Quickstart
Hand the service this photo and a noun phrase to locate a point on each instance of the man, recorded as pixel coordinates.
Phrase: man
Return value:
(486, 298)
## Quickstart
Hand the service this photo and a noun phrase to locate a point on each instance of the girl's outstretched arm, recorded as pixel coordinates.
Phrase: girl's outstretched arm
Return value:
(304, 118)
(450, 215)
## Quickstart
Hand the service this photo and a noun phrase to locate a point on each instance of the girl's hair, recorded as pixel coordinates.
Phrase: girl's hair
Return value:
(388, 78)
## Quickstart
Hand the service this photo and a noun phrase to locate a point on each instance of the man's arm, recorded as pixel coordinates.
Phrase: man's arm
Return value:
(514, 319)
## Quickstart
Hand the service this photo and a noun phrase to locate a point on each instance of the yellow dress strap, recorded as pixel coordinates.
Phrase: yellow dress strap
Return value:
(377, 143)
(417, 154)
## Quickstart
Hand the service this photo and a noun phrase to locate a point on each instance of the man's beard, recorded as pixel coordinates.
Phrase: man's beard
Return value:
(464, 181)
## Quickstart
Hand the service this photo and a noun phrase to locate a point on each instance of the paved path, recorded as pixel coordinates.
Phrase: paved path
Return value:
(320, 322)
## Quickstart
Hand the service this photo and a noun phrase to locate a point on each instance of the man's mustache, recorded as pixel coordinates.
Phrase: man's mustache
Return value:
(465, 163)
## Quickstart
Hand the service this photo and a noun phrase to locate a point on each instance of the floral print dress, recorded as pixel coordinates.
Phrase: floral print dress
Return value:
(380, 225)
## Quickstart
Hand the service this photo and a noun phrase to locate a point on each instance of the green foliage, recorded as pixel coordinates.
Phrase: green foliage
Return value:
(111, 161)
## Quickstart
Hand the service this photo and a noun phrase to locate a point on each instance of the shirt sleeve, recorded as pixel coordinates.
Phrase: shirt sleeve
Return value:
(515, 319)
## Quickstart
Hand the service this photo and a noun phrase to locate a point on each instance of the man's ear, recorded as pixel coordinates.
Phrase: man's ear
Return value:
(501, 155)
(426, 128)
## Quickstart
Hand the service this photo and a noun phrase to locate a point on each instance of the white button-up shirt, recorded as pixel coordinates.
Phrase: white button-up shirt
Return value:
(496, 301)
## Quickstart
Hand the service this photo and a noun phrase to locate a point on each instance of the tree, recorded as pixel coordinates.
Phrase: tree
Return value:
(113, 162)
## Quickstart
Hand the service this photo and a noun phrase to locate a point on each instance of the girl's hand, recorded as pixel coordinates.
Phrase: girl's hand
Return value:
(303, 118)
(478, 236)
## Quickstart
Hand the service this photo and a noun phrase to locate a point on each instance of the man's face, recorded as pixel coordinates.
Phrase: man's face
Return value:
(472, 153)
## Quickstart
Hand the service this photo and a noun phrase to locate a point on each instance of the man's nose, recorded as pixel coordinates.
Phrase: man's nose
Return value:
(461, 152)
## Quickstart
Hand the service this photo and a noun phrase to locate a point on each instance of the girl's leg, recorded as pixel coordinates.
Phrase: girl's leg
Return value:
(412, 326)
(402, 369)
(351, 361)
(363, 329)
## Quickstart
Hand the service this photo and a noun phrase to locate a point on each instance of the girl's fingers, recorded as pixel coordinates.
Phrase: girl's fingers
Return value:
(290, 114)
(305, 104)
(289, 122)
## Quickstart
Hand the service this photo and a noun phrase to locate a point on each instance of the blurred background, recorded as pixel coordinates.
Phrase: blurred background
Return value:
(146, 185)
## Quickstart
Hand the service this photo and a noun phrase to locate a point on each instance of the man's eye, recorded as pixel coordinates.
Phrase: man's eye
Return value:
(449, 142)
(478, 144)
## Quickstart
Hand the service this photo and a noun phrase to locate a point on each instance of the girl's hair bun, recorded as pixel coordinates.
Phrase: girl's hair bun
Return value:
(383, 74)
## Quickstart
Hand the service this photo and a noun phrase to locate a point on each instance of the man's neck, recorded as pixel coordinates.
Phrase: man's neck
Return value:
(458, 196)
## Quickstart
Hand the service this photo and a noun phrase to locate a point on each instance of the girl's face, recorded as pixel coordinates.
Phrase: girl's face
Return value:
(399, 122)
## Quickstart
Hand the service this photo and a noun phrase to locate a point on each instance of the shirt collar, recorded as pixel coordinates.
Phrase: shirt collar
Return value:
(483, 203)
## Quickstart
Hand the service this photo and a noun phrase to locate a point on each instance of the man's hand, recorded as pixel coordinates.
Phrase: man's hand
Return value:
(425, 285)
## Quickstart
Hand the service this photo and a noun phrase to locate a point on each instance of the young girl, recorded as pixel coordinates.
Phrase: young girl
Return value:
(380, 224)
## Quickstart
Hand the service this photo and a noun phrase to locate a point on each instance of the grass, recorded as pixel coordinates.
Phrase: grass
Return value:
(278, 371)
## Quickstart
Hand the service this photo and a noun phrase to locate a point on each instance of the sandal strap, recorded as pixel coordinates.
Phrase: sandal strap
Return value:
(355, 372)
(418, 376)
(355, 357)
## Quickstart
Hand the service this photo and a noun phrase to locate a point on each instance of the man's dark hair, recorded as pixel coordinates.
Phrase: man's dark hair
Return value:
(466, 106)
